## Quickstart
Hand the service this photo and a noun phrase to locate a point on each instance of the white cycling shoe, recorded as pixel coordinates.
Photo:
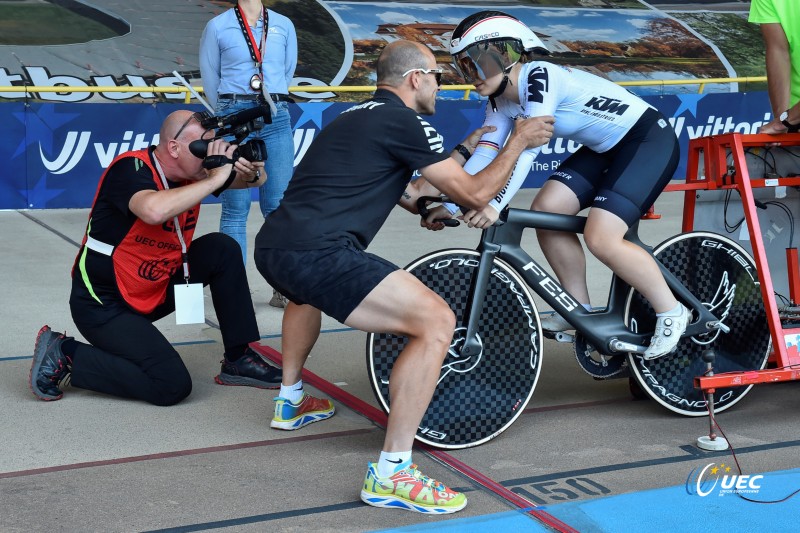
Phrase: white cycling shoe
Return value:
(555, 322)
(668, 332)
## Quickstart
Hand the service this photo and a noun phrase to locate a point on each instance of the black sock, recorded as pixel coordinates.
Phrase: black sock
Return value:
(68, 347)
(235, 353)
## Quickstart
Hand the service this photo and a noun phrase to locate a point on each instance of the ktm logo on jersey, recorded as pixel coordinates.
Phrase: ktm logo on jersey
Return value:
(538, 84)
(607, 105)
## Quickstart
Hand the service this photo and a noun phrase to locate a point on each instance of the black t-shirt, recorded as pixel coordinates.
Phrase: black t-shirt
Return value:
(110, 221)
(352, 176)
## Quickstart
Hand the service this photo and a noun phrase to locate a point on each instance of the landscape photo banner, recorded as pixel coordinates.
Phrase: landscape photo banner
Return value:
(109, 43)
(56, 153)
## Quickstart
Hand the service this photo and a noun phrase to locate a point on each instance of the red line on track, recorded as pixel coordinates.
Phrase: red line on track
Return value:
(380, 418)
(576, 405)
(180, 453)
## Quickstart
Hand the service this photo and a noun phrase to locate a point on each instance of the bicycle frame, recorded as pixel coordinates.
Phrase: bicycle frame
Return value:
(605, 329)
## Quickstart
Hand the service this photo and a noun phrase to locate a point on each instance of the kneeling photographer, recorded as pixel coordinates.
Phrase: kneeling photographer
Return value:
(138, 261)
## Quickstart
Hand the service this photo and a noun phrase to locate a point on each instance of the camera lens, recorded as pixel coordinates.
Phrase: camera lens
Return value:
(254, 150)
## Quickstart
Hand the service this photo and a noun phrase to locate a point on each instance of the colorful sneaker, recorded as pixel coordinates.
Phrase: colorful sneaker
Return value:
(278, 300)
(554, 322)
(50, 366)
(250, 370)
(668, 332)
(411, 490)
(294, 416)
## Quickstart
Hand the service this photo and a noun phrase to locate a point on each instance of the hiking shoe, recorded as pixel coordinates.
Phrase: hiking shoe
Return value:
(278, 300)
(250, 370)
(294, 416)
(50, 366)
(668, 332)
(411, 490)
(555, 322)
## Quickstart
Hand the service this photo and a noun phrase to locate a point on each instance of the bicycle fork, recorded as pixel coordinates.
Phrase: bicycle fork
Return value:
(477, 294)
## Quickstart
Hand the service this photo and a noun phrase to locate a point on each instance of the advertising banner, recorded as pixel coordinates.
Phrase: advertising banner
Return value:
(58, 152)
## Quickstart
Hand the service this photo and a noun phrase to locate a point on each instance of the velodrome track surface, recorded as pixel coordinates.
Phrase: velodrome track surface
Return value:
(584, 453)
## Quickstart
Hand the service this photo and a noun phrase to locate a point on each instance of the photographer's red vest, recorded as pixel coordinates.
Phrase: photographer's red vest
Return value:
(147, 257)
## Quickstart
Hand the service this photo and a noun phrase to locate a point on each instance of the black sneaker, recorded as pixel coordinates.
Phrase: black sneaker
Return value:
(50, 366)
(250, 370)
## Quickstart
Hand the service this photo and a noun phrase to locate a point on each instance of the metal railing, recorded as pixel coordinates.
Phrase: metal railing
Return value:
(31, 89)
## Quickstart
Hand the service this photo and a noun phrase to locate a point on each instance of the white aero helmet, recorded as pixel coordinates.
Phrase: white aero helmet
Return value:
(489, 42)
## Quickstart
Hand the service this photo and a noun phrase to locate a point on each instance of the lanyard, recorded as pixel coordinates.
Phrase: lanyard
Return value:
(256, 53)
(176, 222)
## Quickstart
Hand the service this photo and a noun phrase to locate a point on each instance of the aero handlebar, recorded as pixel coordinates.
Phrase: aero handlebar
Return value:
(422, 208)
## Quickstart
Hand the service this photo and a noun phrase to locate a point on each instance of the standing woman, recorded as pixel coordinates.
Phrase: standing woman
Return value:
(244, 66)
(629, 155)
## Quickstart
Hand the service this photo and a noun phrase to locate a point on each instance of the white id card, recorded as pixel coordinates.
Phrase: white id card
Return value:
(189, 308)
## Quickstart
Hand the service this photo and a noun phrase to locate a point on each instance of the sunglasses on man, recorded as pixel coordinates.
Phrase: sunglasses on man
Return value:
(435, 71)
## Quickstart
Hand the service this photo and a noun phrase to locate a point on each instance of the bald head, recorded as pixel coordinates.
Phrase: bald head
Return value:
(399, 57)
(172, 124)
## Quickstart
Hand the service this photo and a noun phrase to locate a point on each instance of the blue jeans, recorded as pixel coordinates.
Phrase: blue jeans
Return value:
(279, 166)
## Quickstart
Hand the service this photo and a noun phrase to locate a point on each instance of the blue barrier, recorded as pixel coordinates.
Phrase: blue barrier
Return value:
(55, 153)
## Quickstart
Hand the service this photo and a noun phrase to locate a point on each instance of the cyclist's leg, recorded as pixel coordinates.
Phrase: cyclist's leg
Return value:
(639, 167)
(567, 191)
(604, 235)
(401, 304)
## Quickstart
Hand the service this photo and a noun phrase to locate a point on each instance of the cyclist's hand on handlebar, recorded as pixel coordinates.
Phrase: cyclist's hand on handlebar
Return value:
(535, 130)
(434, 218)
(482, 218)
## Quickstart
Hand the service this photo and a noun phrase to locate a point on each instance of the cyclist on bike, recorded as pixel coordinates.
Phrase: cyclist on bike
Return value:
(628, 156)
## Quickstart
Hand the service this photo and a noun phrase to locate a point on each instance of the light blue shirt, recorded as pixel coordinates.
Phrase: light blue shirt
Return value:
(225, 62)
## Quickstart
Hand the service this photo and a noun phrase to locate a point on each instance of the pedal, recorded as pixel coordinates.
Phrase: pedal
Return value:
(717, 324)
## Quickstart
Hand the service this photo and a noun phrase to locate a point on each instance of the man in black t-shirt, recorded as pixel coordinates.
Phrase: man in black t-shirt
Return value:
(312, 249)
(143, 216)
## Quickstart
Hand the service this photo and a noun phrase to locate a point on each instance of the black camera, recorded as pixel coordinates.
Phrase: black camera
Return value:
(239, 125)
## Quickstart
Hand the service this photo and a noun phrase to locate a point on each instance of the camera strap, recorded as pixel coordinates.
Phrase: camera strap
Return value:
(215, 161)
(257, 52)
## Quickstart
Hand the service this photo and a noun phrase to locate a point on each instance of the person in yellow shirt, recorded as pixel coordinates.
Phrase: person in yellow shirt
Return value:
(780, 28)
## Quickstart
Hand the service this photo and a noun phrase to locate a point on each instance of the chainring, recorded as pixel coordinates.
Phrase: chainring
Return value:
(596, 364)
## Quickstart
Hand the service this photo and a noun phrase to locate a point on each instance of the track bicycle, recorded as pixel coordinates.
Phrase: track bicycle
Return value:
(495, 358)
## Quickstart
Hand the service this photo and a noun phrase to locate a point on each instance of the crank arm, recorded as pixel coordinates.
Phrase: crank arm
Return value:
(616, 345)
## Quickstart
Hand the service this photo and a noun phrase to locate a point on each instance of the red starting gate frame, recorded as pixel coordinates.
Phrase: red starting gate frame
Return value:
(725, 167)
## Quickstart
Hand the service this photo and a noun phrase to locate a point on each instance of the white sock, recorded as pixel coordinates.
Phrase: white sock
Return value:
(588, 307)
(293, 393)
(674, 312)
(391, 462)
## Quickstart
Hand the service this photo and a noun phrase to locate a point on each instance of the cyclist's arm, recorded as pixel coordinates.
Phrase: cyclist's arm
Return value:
(518, 175)
(476, 191)
(494, 132)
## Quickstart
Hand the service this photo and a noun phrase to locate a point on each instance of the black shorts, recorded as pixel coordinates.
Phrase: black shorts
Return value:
(335, 280)
(628, 178)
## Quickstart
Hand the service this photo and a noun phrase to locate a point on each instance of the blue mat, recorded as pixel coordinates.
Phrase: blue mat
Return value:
(673, 509)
